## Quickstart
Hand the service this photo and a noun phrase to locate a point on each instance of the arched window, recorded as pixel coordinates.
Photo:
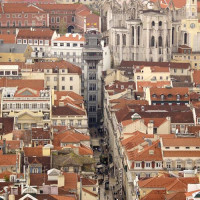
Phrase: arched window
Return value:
(160, 41)
(185, 38)
(152, 41)
(118, 39)
(153, 23)
(160, 23)
(124, 39)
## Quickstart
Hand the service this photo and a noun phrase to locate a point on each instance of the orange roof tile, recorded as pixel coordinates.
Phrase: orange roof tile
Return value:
(21, 8)
(33, 151)
(145, 155)
(181, 154)
(181, 142)
(8, 38)
(7, 159)
(196, 75)
(21, 83)
(38, 33)
(155, 195)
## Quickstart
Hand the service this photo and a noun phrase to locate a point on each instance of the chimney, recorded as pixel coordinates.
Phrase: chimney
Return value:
(61, 180)
(150, 127)
(4, 146)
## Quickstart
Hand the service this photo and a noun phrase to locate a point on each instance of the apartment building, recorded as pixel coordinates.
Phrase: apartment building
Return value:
(38, 39)
(60, 75)
(68, 110)
(29, 107)
(69, 47)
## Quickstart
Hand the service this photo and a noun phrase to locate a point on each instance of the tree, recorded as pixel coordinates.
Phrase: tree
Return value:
(62, 27)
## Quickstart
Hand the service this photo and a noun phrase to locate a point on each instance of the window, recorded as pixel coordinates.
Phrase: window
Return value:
(58, 19)
(153, 23)
(55, 44)
(55, 87)
(8, 16)
(168, 165)
(152, 41)
(71, 122)
(118, 39)
(147, 164)
(92, 97)
(55, 78)
(63, 122)
(63, 78)
(92, 86)
(178, 165)
(137, 165)
(187, 147)
(176, 147)
(79, 122)
(160, 23)
(158, 165)
(34, 105)
(19, 41)
(68, 44)
(73, 19)
(35, 41)
(71, 87)
(63, 87)
(71, 78)
(54, 122)
(167, 147)
(160, 41)
(75, 45)
(92, 109)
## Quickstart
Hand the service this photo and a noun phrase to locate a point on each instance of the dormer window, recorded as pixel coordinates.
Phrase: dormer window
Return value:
(169, 95)
(186, 95)
(162, 96)
(178, 96)
(154, 95)
(122, 87)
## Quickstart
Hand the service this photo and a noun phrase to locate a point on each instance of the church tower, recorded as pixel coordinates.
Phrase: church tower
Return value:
(191, 9)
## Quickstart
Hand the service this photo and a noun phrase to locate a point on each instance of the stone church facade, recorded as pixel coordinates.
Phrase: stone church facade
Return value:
(143, 30)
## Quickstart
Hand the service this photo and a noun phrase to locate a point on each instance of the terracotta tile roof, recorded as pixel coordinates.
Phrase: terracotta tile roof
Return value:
(40, 133)
(84, 150)
(168, 183)
(7, 125)
(21, 83)
(196, 75)
(7, 38)
(38, 180)
(155, 195)
(188, 194)
(145, 155)
(71, 37)
(5, 174)
(68, 109)
(194, 129)
(21, 8)
(148, 84)
(71, 181)
(89, 192)
(49, 7)
(175, 196)
(31, 93)
(152, 68)
(120, 103)
(118, 86)
(40, 66)
(7, 159)
(181, 153)
(169, 91)
(133, 64)
(88, 181)
(29, 1)
(181, 142)
(11, 144)
(69, 136)
(156, 121)
(33, 151)
(38, 34)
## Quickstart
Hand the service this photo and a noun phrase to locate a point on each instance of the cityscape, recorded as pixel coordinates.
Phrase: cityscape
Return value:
(99, 99)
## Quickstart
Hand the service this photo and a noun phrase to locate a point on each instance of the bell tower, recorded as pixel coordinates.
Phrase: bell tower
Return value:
(191, 9)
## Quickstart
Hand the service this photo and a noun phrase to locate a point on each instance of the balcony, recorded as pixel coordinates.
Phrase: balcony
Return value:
(92, 57)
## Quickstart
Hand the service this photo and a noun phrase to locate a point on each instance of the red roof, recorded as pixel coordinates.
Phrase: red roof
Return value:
(33, 151)
(38, 33)
(196, 77)
(71, 37)
(7, 159)
(8, 38)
